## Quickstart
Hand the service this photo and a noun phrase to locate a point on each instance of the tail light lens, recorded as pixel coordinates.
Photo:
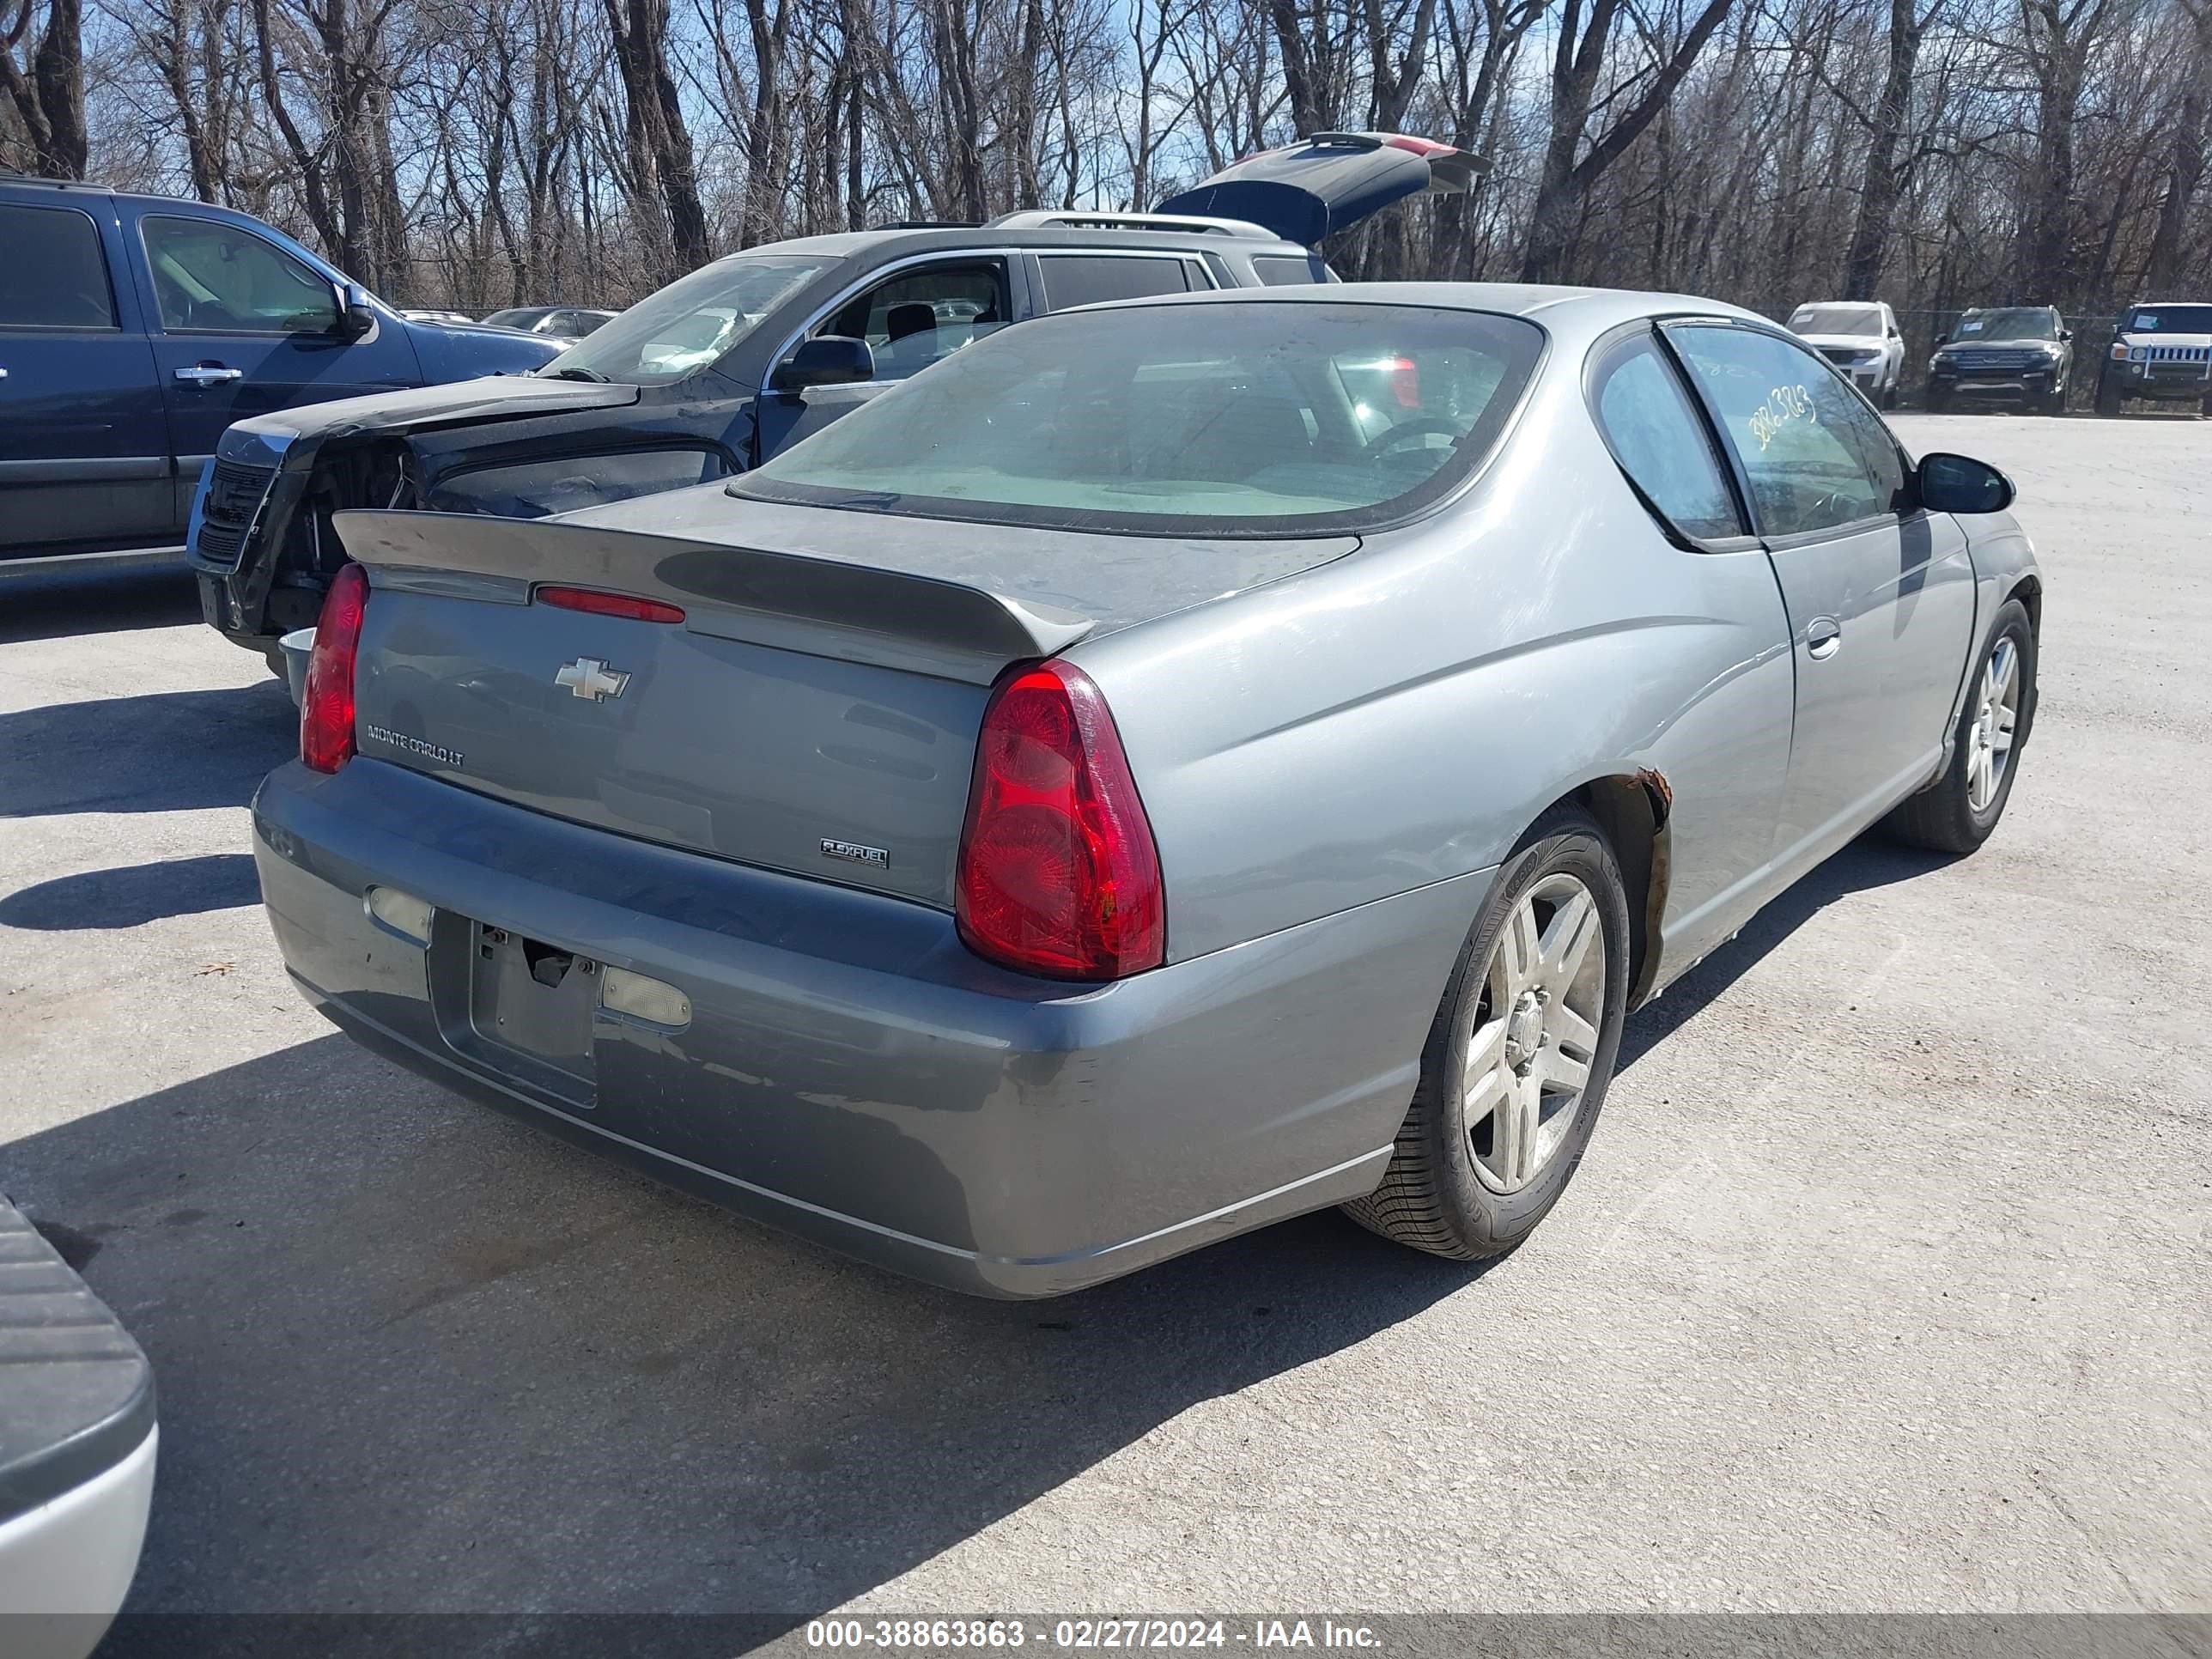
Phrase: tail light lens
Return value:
(326, 709)
(1059, 874)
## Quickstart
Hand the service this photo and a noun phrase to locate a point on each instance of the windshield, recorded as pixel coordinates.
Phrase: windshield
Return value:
(1250, 418)
(2014, 323)
(1837, 319)
(689, 323)
(2170, 319)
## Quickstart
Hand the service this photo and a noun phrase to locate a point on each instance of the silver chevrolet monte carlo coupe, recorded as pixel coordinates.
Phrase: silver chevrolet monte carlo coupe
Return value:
(1172, 766)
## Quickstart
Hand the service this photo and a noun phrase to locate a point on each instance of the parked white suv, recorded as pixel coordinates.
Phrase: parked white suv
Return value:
(1859, 336)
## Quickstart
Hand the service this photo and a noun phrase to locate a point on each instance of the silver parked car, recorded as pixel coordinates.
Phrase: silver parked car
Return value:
(1170, 767)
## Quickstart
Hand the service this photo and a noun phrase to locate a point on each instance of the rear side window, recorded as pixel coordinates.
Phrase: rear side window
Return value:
(1655, 432)
(1281, 270)
(1817, 457)
(1072, 279)
(54, 275)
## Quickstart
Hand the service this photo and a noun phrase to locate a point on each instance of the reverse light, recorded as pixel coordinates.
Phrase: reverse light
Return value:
(402, 914)
(607, 604)
(654, 1001)
(327, 706)
(1059, 874)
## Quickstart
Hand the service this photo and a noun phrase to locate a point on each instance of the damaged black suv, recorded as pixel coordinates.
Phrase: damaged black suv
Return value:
(733, 363)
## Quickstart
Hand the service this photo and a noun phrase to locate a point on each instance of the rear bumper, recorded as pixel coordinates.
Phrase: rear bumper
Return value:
(851, 1073)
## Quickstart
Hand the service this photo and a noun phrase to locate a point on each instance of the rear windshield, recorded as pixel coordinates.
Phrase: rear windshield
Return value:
(1835, 320)
(692, 323)
(1250, 418)
(2170, 319)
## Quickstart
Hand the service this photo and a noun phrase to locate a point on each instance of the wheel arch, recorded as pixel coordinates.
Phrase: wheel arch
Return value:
(1632, 809)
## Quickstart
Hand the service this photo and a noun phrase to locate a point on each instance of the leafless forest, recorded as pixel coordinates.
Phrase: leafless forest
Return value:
(1934, 153)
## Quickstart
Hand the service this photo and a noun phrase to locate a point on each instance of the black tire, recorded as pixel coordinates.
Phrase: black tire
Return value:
(2054, 401)
(2108, 399)
(274, 656)
(1942, 817)
(2204, 404)
(1889, 396)
(1430, 1197)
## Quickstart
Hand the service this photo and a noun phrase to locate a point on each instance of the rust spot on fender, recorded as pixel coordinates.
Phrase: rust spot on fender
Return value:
(1661, 792)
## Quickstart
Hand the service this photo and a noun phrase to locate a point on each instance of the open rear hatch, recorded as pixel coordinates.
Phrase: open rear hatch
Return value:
(799, 687)
(1326, 183)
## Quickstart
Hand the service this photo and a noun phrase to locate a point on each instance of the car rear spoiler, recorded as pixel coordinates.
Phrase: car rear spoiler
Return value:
(1328, 182)
(824, 607)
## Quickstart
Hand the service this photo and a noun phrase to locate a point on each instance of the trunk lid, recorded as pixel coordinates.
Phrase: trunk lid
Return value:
(1326, 183)
(815, 709)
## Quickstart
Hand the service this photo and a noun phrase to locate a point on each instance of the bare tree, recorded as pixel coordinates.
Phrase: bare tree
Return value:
(48, 93)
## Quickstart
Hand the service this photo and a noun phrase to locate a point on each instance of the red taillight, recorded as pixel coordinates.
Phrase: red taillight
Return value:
(1059, 874)
(326, 708)
(608, 604)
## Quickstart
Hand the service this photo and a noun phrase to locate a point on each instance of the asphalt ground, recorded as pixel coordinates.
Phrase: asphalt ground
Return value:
(1884, 1285)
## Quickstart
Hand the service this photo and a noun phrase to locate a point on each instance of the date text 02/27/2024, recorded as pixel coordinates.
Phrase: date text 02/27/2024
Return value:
(1007, 1634)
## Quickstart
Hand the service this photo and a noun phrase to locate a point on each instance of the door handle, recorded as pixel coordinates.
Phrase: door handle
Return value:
(1823, 636)
(206, 374)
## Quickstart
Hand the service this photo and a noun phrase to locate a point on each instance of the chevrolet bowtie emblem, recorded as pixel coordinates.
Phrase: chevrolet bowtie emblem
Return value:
(591, 679)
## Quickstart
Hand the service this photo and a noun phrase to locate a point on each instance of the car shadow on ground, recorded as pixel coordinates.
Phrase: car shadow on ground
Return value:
(414, 1355)
(1870, 861)
(54, 606)
(129, 895)
(163, 752)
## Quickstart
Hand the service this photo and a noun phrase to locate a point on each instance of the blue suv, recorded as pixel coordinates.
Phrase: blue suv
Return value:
(134, 329)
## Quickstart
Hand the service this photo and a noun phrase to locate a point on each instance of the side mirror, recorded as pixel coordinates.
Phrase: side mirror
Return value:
(1959, 483)
(826, 359)
(1942, 339)
(2065, 333)
(356, 316)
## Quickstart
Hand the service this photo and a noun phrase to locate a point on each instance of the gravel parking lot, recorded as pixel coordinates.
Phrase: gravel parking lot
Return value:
(1882, 1287)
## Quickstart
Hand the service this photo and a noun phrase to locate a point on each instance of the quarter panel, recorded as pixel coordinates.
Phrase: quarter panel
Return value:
(1402, 716)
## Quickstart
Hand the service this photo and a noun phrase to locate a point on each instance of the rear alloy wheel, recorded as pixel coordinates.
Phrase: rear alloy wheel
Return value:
(1519, 1058)
(1956, 813)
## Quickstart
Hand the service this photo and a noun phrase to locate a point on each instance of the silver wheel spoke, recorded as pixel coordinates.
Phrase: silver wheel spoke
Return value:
(1566, 940)
(1513, 1132)
(1485, 1058)
(2001, 739)
(1562, 1070)
(1520, 948)
(1570, 1032)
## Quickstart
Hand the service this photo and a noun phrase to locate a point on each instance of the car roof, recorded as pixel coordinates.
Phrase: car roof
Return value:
(1586, 312)
(951, 237)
